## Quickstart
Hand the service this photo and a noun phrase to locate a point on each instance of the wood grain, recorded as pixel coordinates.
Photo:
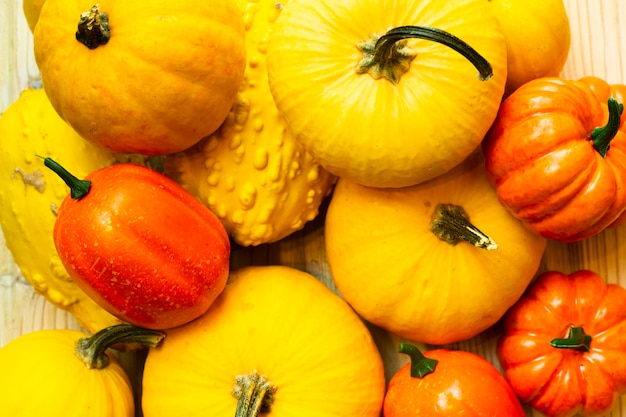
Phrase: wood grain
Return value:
(598, 48)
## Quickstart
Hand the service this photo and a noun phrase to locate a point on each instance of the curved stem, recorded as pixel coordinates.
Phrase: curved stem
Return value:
(78, 188)
(420, 364)
(92, 350)
(576, 339)
(93, 28)
(602, 136)
(254, 393)
(451, 224)
(385, 54)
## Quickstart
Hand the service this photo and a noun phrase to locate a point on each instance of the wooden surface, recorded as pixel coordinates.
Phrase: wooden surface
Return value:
(598, 48)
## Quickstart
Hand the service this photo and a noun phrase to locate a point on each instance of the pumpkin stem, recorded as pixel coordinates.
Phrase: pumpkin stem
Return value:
(387, 56)
(451, 224)
(92, 350)
(78, 188)
(93, 28)
(420, 364)
(254, 393)
(602, 136)
(576, 339)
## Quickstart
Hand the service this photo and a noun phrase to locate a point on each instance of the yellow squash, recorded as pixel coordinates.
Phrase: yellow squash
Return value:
(252, 172)
(141, 77)
(31, 9)
(377, 106)
(436, 263)
(65, 373)
(30, 194)
(537, 35)
(276, 341)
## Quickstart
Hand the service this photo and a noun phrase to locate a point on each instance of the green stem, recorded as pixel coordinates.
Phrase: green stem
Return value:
(93, 28)
(420, 364)
(78, 188)
(602, 136)
(576, 339)
(92, 350)
(451, 224)
(387, 57)
(254, 393)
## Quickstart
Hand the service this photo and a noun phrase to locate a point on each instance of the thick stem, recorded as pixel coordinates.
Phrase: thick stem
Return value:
(387, 57)
(78, 188)
(420, 364)
(254, 393)
(576, 339)
(602, 136)
(92, 350)
(451, 224)
(93, 28)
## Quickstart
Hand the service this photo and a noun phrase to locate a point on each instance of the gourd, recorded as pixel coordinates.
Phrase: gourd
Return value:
(537, 36)
(253, 173)
(31, 9)
(30, 196)
(276, 340)
(376, 106)
(556, 155)
(151, 78)
(139, 245)
(562, 345)
(438, 262)
(66, 373)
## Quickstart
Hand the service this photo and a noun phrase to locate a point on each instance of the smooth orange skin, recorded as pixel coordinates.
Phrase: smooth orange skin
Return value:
(541, 160)
(461, 383)
(566, 382)
(142, 247)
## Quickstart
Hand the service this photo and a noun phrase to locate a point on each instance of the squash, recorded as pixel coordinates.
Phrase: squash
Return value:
(65, 373)
(557, 157)
(253, 173)
(151, 78)
(444, 382)
(562, 348)
(537, 36)
(31, 9)
(141, 246)
(277, 341)
(392, 112)
(30, 196)
(436, 263)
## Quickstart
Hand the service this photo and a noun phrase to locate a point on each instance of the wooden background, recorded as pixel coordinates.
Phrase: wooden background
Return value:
(598, 48)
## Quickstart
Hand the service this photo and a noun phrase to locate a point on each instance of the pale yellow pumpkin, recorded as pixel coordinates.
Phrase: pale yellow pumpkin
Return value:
(399, 258)
(276, 336)
(253, 173)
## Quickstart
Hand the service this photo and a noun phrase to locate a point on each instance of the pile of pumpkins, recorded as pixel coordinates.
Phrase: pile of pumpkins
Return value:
(263, 111)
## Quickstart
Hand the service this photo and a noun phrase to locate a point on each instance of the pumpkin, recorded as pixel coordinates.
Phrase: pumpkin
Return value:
(253, 173)
(437, 262)
(31, 9)
(145, 78)
(374, 104)
(562, 348)
(444, 382)
(276, 341)
(557, 157)
(141, 246)
(30, 196)
(65, 373)
(537, 36)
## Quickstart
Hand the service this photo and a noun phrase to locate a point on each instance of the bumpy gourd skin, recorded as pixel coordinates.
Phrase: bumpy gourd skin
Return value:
(30, 194)
(252, 172)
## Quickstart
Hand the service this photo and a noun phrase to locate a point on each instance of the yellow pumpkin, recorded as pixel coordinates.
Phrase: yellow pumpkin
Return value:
(65, 373)
(136, 77)
(252, 172)
(537, 36)
(438, 262)
(277, 340)
(30, 194)
(394, 112)
(31, 9)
